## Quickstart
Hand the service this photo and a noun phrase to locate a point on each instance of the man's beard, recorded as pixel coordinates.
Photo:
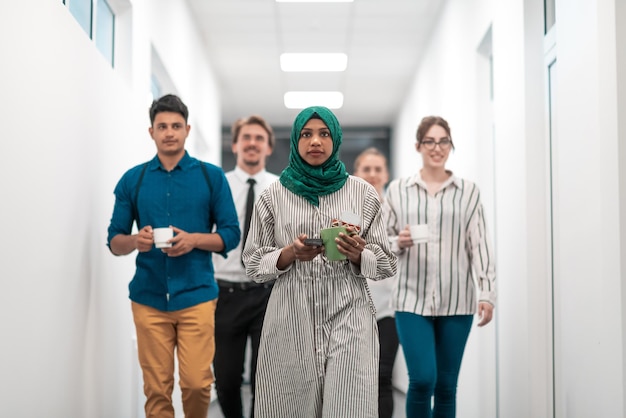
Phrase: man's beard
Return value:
(251, 163)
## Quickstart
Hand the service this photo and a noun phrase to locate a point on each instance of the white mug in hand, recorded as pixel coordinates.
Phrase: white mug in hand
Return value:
(161, 236)
(419, 233)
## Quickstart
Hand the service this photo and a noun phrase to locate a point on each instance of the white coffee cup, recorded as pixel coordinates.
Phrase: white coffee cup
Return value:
(161, 236)
(419, 233)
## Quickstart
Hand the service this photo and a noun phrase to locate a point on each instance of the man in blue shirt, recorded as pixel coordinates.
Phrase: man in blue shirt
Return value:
(173, 292)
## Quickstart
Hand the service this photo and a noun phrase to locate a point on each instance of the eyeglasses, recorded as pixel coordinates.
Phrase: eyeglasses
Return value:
(430, 145)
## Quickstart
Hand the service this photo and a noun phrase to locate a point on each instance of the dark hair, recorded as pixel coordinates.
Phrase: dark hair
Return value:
(427, 123)
(368, 151)
(168, 103)
(252, 120)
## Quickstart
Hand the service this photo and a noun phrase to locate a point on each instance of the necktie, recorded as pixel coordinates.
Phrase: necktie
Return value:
(249, 206)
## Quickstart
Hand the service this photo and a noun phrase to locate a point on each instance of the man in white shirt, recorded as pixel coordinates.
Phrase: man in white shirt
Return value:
(242, 302)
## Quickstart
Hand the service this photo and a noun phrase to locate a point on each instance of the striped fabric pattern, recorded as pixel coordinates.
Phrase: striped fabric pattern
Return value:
(439, 277)
(319, 347)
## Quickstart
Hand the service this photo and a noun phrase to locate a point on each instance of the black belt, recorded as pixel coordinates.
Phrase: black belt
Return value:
(243, 285)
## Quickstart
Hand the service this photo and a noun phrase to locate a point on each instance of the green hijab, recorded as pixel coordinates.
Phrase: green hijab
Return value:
(310, 181)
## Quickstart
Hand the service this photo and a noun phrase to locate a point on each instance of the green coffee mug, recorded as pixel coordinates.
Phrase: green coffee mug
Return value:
(330, 246)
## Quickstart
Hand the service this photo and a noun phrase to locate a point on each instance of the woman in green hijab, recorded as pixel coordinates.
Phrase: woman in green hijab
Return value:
(318, 355)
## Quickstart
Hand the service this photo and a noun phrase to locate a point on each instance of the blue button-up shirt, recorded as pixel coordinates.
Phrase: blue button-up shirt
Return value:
(181, 198)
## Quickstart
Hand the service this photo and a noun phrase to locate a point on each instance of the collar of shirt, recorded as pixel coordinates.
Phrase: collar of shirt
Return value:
(238, 181)
(183, 164)
(243, 176)
(230, 268)
(417, 180)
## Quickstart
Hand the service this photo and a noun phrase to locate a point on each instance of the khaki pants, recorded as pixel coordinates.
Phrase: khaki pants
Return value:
(191, 332)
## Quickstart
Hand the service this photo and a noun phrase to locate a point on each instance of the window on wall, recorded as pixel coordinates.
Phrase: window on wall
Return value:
(155, 87)
(160, 80)
(81, 10)
(98, 23)
(549, 13)
(556, 394)
(105, 29)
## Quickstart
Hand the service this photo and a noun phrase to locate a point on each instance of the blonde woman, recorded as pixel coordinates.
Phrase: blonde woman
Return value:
(371, 165)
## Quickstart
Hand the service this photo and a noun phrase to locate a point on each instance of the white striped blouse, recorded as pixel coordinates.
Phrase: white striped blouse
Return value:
(438, 278)
(318, 355)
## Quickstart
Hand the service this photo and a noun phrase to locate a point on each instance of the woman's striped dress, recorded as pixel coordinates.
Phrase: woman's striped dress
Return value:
(319, 346)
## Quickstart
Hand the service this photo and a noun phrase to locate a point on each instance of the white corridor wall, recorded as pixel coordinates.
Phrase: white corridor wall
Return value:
(71, 126)
(556, 205)
(447, 84)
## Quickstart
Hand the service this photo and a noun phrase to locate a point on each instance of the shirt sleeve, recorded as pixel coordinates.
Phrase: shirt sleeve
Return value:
(378, 261)
(481, 253)
(262, 252)
(223, 210)
(122, 218)
(391, 218)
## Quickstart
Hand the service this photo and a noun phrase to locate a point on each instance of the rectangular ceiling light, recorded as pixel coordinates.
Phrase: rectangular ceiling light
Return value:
(314, 1)
(313, 62)
(302, 99)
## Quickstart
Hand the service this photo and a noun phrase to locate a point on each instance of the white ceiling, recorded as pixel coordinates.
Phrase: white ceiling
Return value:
(384, 40)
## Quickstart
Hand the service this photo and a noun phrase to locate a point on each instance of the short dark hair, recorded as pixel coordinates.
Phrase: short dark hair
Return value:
(253, 120)
(168, 103)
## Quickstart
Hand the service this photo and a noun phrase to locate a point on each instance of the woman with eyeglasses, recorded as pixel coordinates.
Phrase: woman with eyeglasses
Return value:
(440, 264)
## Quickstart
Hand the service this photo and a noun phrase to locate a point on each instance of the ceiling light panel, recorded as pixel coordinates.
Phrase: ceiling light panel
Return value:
(314, 1)
(302, 99)
(313, 62)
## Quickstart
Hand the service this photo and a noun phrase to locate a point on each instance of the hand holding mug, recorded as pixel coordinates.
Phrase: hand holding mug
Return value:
(404, 238)
(144, 240)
